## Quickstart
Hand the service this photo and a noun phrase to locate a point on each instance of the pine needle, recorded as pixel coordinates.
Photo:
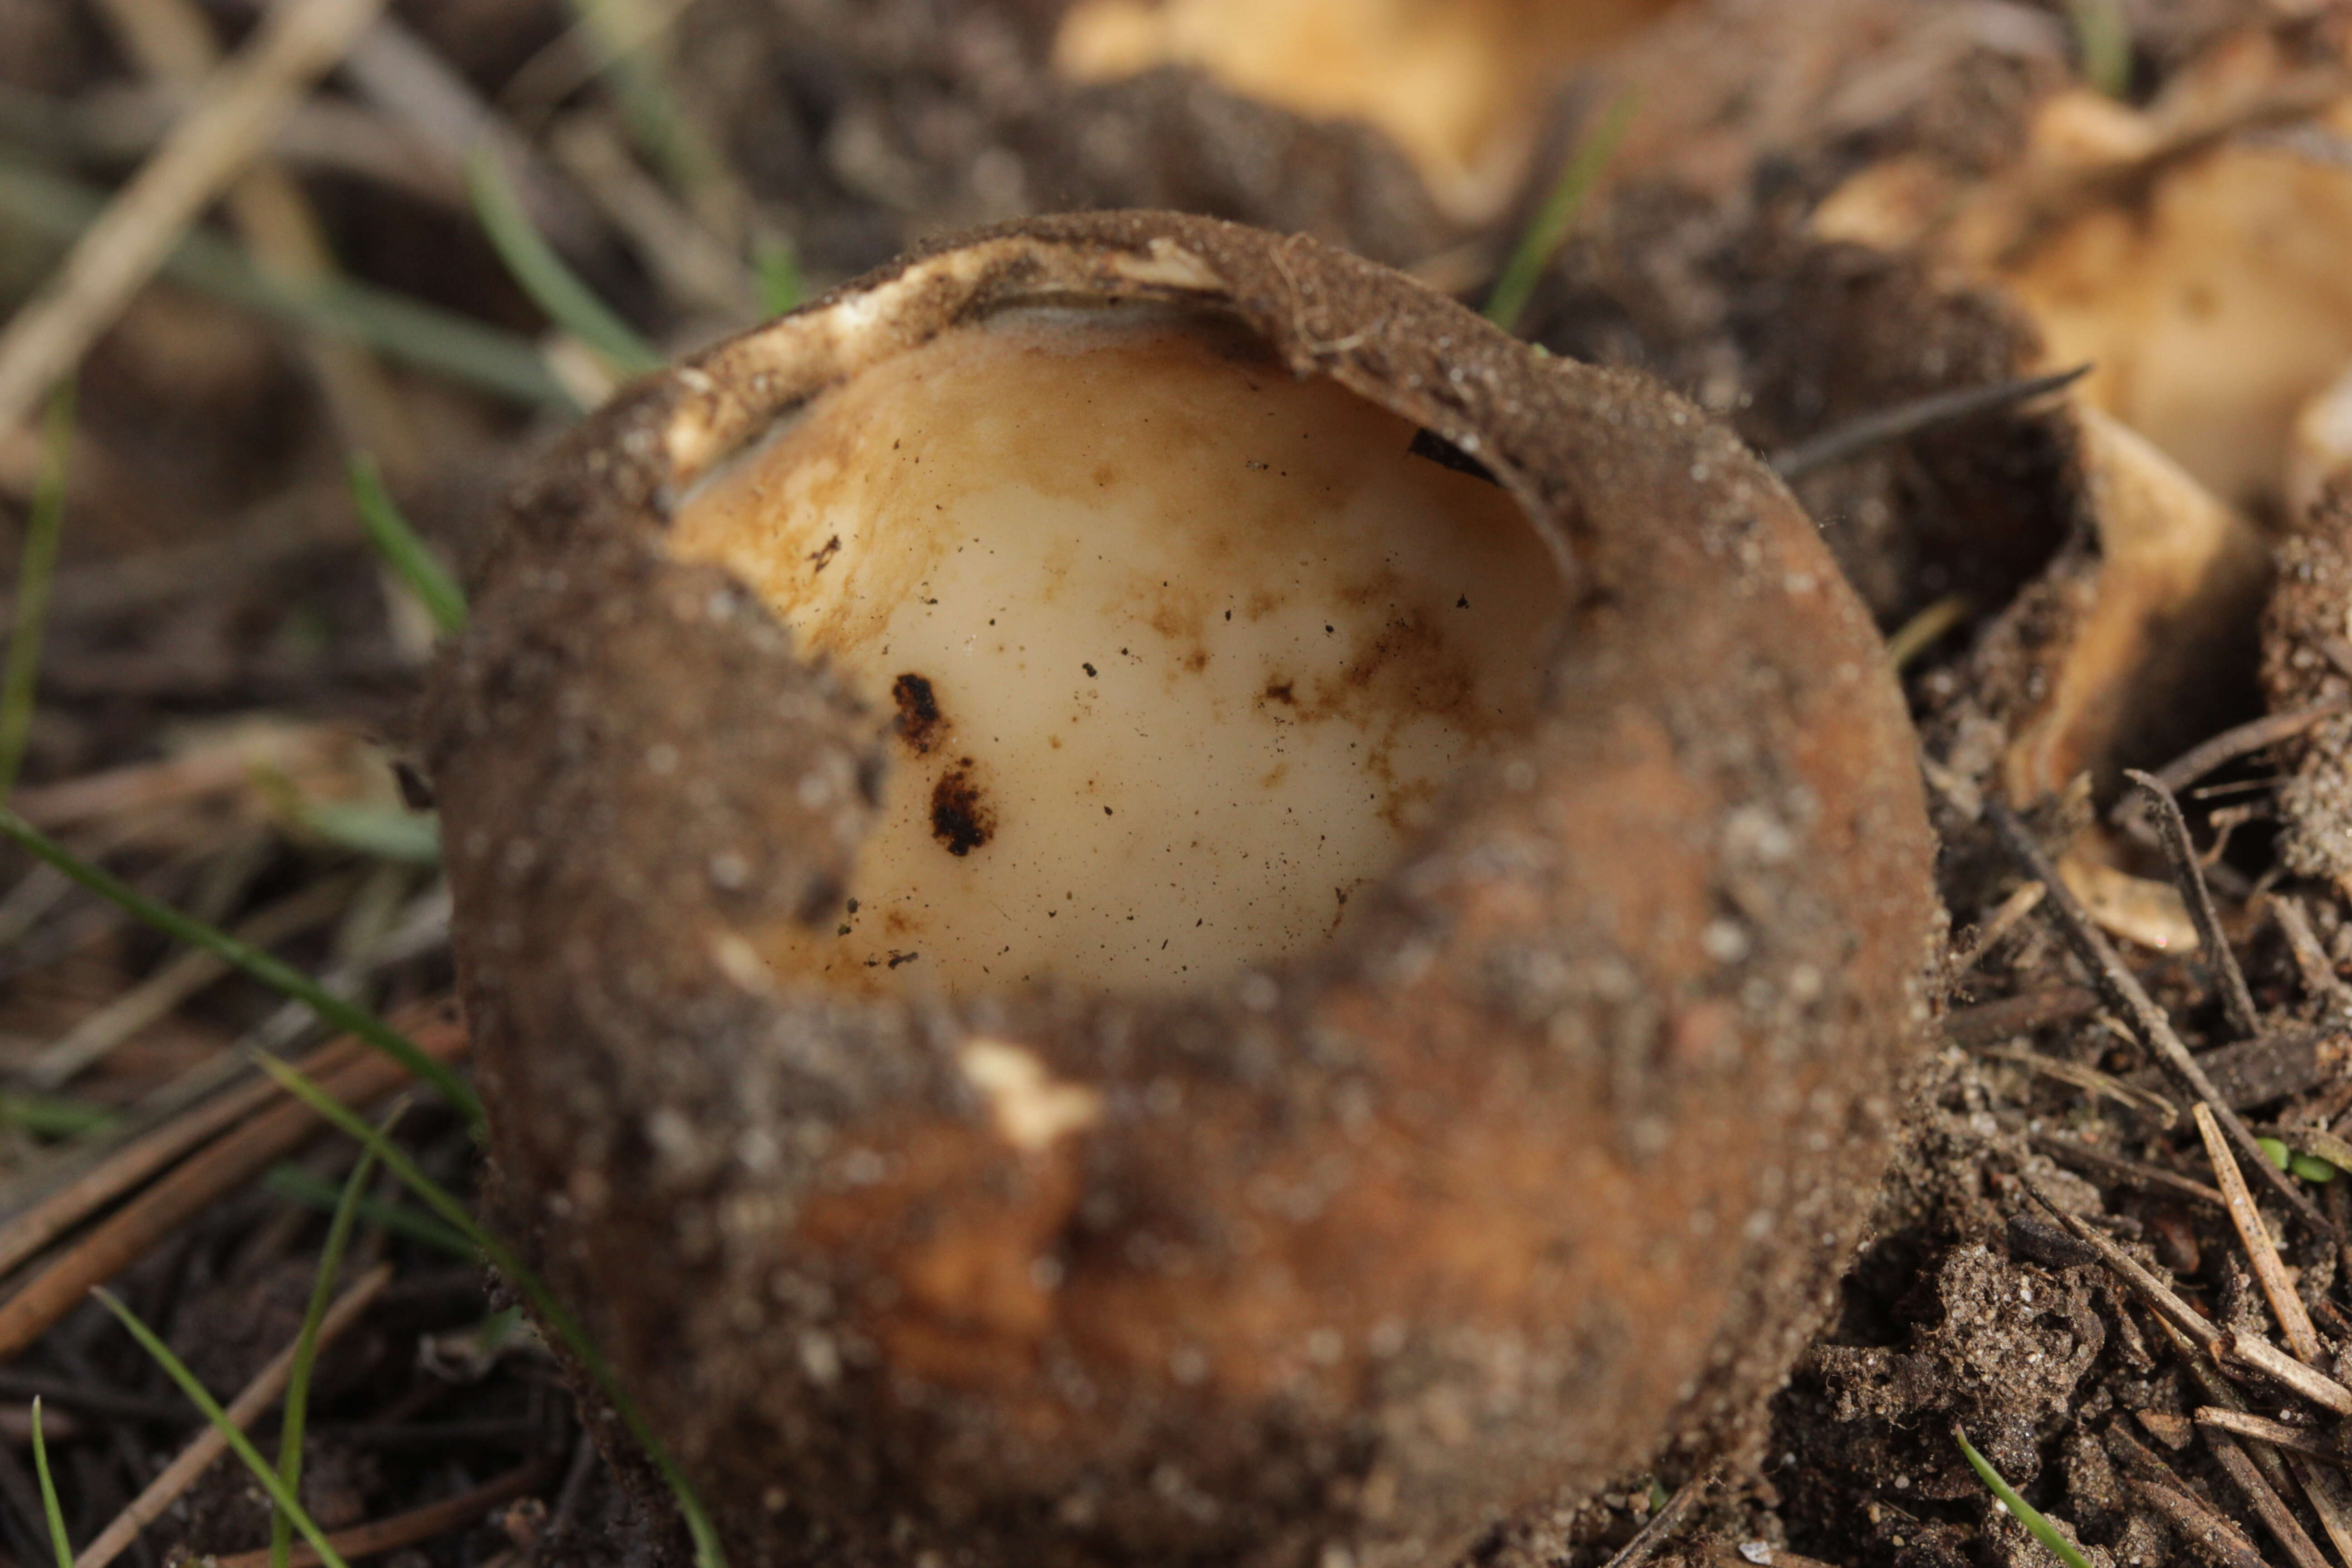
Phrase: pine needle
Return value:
(49, 1504)
(178, 1371)
(272, 972)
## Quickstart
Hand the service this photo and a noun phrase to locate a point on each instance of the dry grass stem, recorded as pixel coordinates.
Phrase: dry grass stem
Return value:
(124, 1237)
(1999, 924)
(1652, 1535)
(2122, 988)
(2262, 1429)
(2275, 1515)
(180, 976)
(133, 1163)
(241, 105)
(171, 42)
(2167, 1303)
(2079, 1157)
(2251, 736)
(2253, 1351)
(2089, 1079)
(2214, 1537)
(2269, 1268)
(208, 1444)
(408, 1528)
(2172, 829)
(2325, 1491)
(2311, 958)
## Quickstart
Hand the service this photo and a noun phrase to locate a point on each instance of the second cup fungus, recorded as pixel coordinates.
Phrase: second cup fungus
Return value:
(1134, 893)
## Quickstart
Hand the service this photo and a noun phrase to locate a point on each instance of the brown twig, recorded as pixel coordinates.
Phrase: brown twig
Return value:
(2285, 1305)
(2236, 741)
(408, 1528)
(173, 42)
(2252, 1349)
(209, 1444)
(134, 1163)
(1997, 925)
(2265, 1499)
(1652, 1535)
(1882, 425)
(2262, 1429)
(239, 107)
(2214, 1537)
(180, 976)
(125, 1237)
(2118, 1167)
(2124, 989)
(1990, 1021)
(2172, 829)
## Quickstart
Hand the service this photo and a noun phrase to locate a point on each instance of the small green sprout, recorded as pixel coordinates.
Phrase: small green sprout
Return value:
(2026, 1513)
(49, 1505)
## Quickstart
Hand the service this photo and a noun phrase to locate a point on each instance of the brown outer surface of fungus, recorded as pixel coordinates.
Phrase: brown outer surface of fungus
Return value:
(1554, 1159)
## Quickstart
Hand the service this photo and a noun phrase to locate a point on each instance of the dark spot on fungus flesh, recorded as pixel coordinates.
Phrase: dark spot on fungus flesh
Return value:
(1279, 692)
(1429, 444)
(919, 712)
(960, 819)
(823, 554)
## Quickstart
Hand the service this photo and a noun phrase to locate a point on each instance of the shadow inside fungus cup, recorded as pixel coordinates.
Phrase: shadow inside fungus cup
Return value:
(1133, 893)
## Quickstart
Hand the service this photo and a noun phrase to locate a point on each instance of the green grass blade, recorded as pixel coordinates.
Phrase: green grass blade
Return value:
(2027, 1514)
(2103, 37)
(179, 1373)
(550, 1312)
(296, 1185)
(386, 832)
(778, 265)
(49, 1504)
(271, 972)
(552, 285)
(306, 1346)
(1543, 237)
(40, 564)
(404, 549)
(442, 341)
(52, 1115)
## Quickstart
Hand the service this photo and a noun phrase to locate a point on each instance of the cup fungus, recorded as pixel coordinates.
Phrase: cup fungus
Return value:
(1134, 893)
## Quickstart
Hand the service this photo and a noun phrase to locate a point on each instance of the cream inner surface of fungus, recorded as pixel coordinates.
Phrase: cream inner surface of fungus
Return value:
(1181, 649)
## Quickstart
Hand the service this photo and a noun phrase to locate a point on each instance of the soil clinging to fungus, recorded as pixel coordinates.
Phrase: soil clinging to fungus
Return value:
(1367, 1230)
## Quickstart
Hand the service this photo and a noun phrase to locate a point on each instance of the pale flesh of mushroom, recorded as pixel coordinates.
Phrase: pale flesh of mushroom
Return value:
(1183, 649)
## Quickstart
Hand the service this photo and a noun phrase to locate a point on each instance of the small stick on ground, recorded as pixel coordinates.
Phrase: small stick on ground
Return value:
(2269, 1268)
(1999, 924)
(209, 1444)
(180, 976)
(2121, 1168)
(1652, 1535)
(2172, 829)
(2325, 1490)
(2262, 1429)
(2252, 1349)
(2276, 1515)
(2124, 989)
(1886, 424)
(240, 110)
(126, 1236)
(1988, 1021)
(408, 1528)
(2215, 1537)
(2251, 736)
(2317, 969)
(2155, 1291)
